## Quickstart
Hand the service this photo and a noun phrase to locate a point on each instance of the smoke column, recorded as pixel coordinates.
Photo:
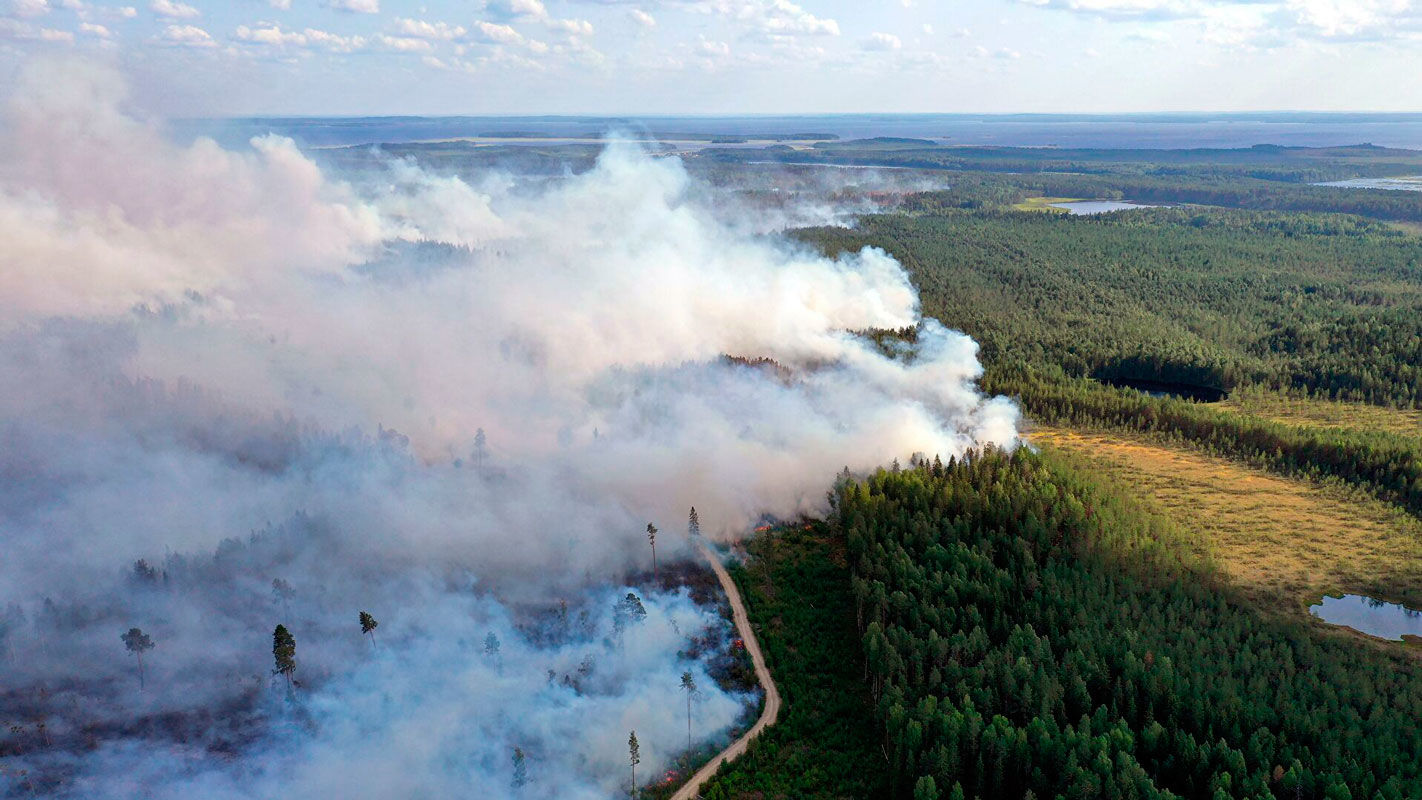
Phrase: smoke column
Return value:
(240, 368)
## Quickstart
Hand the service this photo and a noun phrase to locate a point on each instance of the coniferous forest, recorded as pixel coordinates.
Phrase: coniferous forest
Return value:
(1027, 635)
(1028, 628)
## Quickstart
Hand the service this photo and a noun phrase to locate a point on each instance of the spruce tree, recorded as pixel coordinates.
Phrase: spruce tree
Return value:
(284, 653)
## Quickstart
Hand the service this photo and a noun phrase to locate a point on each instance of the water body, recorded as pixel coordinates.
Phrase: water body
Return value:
(1373, 617)
(1099, 206)
(1165, 131)
(1412, 184)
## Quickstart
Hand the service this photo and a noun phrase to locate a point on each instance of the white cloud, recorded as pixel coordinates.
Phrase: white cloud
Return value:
(881, 41)
(1126, 9)
(405, 44)
(511, 9)
(494, 33)
(271, 35)
(773, 18)
(29, 8)
(274, 36)
(1270, 22)
(172, 9)
(1353, 19)
(19, 29)
(508, 10)
(356, 6)
(333, 42)
(576, 27)
(428, 30)
(642, 18)
(95, 29)
(187, 36)
(280, 5)
(712, 48)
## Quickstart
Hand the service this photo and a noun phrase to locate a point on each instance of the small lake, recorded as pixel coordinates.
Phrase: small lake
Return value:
(1100, 206)
(1373, 617)
(1413, 184)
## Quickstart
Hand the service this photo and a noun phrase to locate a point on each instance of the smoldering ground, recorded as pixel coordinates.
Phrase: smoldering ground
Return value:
(240, 368)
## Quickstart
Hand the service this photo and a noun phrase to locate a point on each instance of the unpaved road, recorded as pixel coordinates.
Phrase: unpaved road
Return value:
(692, 789)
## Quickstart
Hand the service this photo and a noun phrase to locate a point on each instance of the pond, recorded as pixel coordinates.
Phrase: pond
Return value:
(1099, 206)
(1373, 617)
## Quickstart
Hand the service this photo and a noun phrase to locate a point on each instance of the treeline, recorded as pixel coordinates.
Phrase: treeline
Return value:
(1385, 464)
(796, 587)
(1026, 635)
(1211, 297)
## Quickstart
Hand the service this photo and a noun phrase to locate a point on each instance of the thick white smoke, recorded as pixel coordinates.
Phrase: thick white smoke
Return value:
(240, 369)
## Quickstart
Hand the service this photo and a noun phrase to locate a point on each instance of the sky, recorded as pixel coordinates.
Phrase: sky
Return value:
(319, 57)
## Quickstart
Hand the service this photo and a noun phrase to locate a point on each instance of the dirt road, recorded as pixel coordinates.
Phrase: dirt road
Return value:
(692, 788)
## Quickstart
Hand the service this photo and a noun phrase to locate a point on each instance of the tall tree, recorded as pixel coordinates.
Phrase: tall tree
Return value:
(520, 768)
(652, 539)
(368, 626)
(693, 523)
(481, 448)
(284, 653)
(137, 643)
(688, 685)
(634, 755)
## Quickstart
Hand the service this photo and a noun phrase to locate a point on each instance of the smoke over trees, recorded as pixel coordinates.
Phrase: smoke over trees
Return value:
(238, 364)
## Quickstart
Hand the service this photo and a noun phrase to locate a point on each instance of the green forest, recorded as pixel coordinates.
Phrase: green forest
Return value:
(1024, 627)
(1027, 633)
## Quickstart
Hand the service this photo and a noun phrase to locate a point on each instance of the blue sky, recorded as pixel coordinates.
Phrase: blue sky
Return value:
(203, 57)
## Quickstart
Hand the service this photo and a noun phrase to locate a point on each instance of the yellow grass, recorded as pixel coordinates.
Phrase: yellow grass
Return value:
(1323, 413)
(1284, 542)
(1044, 204)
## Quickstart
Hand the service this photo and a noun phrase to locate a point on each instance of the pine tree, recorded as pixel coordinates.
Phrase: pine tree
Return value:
(137, 643)
(368, 626)
(693, 523)
(652, 538)
(481, 448)
(520, 768)
(284, 653)
(634, 755)
(688, 684)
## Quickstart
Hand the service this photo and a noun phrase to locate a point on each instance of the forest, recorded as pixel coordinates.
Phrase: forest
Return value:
(1028, 632)
(1029, 628)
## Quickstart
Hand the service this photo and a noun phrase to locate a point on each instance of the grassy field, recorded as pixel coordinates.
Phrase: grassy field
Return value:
(1283, 542)
(1324, 413)
(1044, 204)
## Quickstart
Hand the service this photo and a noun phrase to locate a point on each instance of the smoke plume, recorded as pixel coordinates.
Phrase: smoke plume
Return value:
(455, 404)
